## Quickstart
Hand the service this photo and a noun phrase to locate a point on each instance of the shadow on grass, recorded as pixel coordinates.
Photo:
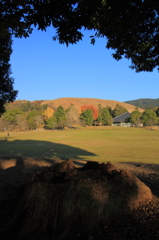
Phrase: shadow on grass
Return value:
(34, 148)
(48, 151)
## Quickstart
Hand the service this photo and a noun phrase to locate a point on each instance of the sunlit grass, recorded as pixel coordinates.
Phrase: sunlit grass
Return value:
(98, 144)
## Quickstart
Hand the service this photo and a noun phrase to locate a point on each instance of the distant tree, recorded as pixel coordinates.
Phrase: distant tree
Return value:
(39, 121)
(20, 119)
(44, 106)
(91, 107)
(31, 123)
(3, 124)
(87, 117)
(109, 109)
(22, 122)
(135, 118)
(149, 117)
(60, 115)
(145, 103)
(26, 106)
(48, 113)
(13, 105)
(118, 110)
(10, 115)
(99, 119)
(36, 105)
(51, 122)
(106, 117)
(99, 110)
(72, 115)
(62, 123)
(31, 119)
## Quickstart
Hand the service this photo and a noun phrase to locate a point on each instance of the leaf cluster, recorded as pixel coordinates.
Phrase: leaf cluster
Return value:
(7, 92)
(130, 27)
(118, 110)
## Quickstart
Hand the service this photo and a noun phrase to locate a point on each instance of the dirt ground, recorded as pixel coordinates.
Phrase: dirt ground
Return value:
(141, 224)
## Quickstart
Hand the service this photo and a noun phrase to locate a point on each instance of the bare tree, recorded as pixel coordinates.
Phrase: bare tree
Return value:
(39, 121)
(22, 122)
(72, 116)
(3, 124)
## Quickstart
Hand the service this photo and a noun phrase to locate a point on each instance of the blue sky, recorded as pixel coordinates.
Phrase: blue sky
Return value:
(43, 69)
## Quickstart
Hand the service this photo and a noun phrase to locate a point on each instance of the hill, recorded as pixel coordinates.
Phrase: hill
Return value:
(78, 102)
(144, 103)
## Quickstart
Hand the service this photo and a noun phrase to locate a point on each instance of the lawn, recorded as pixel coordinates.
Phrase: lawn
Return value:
(114, 144)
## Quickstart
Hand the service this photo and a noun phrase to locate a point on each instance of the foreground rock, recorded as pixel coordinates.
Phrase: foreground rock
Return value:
(64, 202)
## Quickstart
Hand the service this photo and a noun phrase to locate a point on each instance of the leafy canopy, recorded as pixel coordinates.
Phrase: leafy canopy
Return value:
(135, 118)
(7, 92)
(87, 117)
(118, 110)
(149, 117)
(130, 26)
(106, 117)
(51, 122)
(60, 113)
(91, 107)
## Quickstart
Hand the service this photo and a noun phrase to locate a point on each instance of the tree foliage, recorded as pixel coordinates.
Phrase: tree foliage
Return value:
(87, 117)
(91, 107)
(7, 92)
(145, 103)
(33, 119)
(130, 28)
(72, 115)
(21, 122)
(60, 115)
(11, 115)
(118, 110)
(3, 124)
(106, 117)
(135, 118)
(51, 122)
(99, 110)
(149, 117)
(48, 113)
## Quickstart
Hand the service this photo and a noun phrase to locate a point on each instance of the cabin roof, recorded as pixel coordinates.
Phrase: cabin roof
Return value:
(122, 117)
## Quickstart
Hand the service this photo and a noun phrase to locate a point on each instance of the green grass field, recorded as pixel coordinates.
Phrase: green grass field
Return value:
(115, 144)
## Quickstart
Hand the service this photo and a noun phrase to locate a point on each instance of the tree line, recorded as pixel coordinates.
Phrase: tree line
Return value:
(130, 28)
(26, 115)
(148, 118)
(145, 103)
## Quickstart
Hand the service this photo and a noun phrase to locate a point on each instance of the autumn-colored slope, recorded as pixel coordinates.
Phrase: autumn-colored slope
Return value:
(78, 102)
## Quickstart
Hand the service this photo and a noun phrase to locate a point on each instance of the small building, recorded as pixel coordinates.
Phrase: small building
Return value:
(121, 120)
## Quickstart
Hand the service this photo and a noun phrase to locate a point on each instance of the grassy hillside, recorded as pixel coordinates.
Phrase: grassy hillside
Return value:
(145, 103)
(104, 144)
(78, 102)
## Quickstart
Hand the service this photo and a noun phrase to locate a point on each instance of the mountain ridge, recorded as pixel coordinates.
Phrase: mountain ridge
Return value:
(144, 102)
